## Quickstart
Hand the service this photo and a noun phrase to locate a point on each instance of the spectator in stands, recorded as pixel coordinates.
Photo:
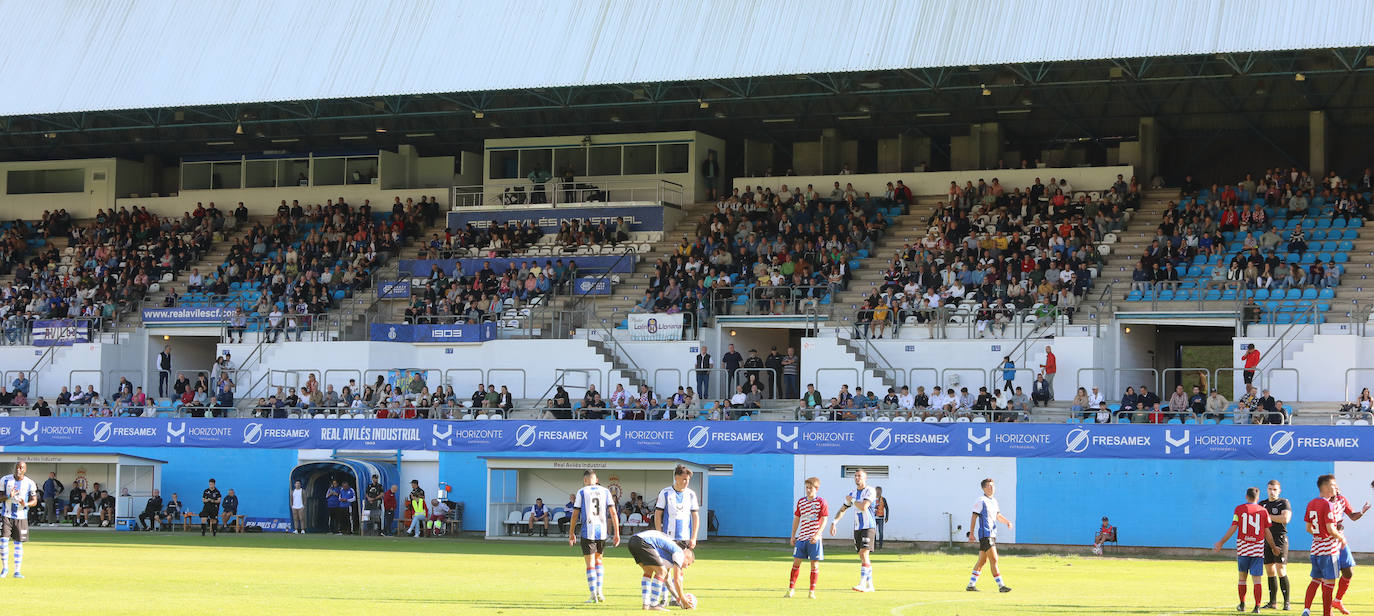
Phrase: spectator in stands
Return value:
(1080, 403)
(1040, 390)
(1178, 401)
(1130, 403)
(1270, 409)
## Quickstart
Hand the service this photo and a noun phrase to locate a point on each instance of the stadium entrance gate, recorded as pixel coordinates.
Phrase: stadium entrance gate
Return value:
(316, 476)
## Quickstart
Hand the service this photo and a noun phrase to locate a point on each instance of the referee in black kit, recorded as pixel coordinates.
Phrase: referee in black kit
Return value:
(209, 509)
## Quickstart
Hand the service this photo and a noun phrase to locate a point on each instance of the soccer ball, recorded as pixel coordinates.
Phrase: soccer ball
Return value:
(691, 600)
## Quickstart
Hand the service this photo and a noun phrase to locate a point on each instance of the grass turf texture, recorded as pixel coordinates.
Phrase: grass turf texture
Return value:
(182, 573)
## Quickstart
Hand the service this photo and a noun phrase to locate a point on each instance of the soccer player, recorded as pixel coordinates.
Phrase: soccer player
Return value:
(1276, 554)
(593, 505)
(209, 509)
(662, 559)
(986, 514)
(807, 518)
(676, 513)
(20, 493)
(1345, 561)
(1322, 522)
(861, 500)
(1251, 524)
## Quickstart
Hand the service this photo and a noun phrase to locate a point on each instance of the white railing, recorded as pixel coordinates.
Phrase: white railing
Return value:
(556, 193)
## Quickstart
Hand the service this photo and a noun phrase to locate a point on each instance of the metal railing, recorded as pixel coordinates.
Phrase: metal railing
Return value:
(553, 193)
(785, 299)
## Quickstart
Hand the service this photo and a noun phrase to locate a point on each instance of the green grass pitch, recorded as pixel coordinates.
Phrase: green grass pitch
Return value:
(182, 573)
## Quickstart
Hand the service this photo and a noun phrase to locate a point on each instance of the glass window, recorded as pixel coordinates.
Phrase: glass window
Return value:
(361, 170)
(195, 176)
(672, 158)
(329, 171)
(603, 160)
(565, 157)
(34, 181)
(226, 175)
(505, 164)
(293, 172)
(530, 160)
(260, 174)
(641, 159)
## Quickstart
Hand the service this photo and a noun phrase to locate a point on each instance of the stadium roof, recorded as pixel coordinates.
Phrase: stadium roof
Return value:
(70, 56)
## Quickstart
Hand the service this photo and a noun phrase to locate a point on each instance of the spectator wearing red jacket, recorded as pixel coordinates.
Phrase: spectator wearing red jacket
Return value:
(389, 510)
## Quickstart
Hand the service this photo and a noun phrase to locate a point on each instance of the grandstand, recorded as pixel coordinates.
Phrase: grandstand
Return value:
(1091, 264)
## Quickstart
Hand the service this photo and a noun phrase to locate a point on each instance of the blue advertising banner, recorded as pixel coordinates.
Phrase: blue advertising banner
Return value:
(421, 267)
(637, 217)
(1192, 442)
(592, 286)
(399, 332)
(61, 332)
(186, 316)
(394, 289)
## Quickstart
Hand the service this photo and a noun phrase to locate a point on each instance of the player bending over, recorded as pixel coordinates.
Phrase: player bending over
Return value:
(592, 505)
(1251, 524)
(20, 493)
(662, 561)
(807, 519)
(1323, 523)
(861, 500)
(1276, 554)
(986, 514)
(1345, 561)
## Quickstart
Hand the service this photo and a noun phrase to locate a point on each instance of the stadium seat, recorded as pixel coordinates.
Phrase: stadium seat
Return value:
(980, 419)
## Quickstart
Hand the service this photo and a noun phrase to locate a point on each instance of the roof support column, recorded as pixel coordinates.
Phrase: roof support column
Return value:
(831, 151)
(989, 145)
(1316, 143)
(1148, 137)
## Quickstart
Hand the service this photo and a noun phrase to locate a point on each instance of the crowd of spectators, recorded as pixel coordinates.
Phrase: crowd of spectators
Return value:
(1006, 250)
(1200, 226)
(937, 405)
(108, 265)
(308, 257)
(412, 399)
(778, 248)
(460, 297)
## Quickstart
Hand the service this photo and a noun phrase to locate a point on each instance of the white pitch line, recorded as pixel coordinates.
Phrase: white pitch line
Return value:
(1195, 610)
(897, 611)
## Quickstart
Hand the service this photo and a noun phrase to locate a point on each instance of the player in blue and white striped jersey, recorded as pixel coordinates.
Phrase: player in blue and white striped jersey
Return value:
(676, 513)
(20, 493)
(861, 499)
(592, 506)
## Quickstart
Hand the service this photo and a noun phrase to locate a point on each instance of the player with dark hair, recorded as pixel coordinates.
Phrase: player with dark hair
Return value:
(986, 514)
(209, 509)
(807, 521)
(1251, 524)
(1323, 523)
(592, 506)
(1276, 553)
(1345, 561)
(677, 513)
(662, 560)
(20, 493)
(861, 499)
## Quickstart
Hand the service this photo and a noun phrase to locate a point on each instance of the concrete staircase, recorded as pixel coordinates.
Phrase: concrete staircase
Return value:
(620, 369)
(907, 229)
(855, 349)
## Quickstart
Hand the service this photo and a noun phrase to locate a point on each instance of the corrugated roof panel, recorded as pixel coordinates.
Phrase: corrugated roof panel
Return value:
(79, 56)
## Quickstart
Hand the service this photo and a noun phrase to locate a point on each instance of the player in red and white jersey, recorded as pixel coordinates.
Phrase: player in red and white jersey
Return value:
(807, 521)
(1250, 522)
(1322, 522)
(1345, 560)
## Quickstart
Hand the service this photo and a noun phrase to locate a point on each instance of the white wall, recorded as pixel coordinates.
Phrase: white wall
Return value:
(1071, 354)
(97, 194)
(937, 182)
(914, 515)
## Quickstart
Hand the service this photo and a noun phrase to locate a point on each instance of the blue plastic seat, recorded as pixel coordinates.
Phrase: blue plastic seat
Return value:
(1175, 421)
(1166, 295)
(1309, 293)
(1327, 293)
(1324, 223)
(1261, 294)
(1294, 294)
(1338, 223)
(1190, 421)
(1133, 296)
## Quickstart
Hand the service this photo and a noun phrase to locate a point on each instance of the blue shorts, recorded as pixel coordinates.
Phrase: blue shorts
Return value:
(1345, 559)
(809, 550)
(1253, 564)
(1323, 566)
